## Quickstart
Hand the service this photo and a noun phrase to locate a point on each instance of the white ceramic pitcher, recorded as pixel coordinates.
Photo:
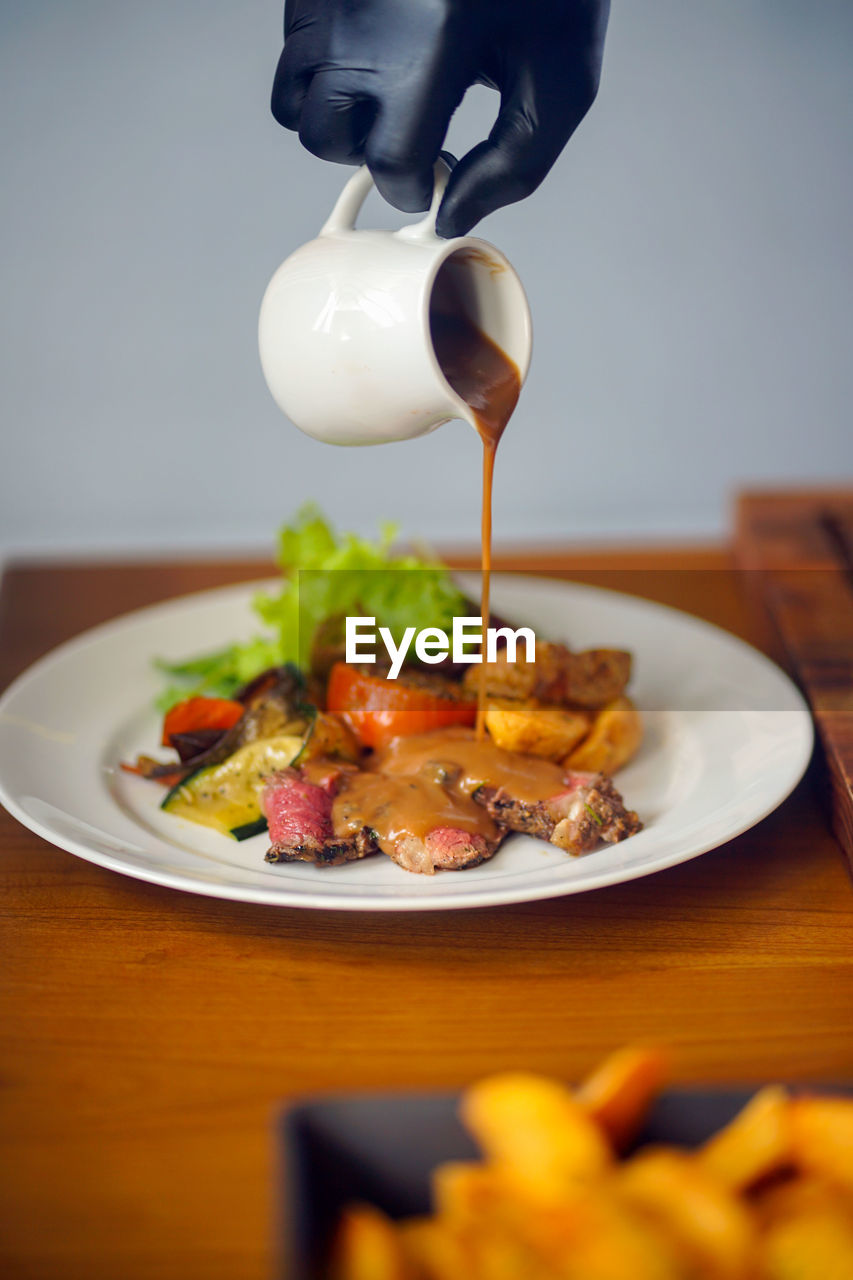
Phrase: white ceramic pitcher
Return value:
(344, 328)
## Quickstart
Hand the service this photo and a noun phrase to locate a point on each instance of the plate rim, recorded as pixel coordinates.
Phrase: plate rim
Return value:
(312, 899)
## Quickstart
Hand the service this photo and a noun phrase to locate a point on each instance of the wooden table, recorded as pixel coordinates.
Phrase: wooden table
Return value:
(150, 1037)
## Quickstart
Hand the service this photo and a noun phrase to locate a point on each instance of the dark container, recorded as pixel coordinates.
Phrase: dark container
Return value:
(383, 1148)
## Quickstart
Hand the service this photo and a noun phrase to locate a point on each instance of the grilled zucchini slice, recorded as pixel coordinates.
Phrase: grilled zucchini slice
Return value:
(227, 796)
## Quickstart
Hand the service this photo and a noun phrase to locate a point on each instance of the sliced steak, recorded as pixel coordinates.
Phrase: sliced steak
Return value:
(299, 814)
(443, 849)
(419, 822)
(588, 811)
(331, 852)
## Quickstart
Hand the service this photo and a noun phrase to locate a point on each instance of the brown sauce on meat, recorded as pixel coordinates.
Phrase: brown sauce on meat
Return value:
(426, 781)
(487, 380)
(464, 763)
(411, 805)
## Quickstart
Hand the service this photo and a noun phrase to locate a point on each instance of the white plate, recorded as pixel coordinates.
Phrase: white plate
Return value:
(727, 738)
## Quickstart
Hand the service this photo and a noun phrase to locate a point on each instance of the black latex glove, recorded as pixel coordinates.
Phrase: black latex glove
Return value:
(378, 80)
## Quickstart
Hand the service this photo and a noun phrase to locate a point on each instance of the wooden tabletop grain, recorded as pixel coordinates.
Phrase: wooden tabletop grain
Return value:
(150, 1037)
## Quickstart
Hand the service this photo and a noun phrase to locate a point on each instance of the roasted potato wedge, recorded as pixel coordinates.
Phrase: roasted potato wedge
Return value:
(767, 1198)
(595, 677)
(811, 1245)
(435, 1249)
(822, 1135)
(614, 738)
(592, 1234)
(588, 679)
(466, 1190)
(619, 1093)
(535, 1132)
(756, 1143)
(710, 1225)
(533, 729)
(368, 1247)
(782, 1199)
(543, 679)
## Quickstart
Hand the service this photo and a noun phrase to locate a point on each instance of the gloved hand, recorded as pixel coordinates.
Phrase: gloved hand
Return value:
(378, 80)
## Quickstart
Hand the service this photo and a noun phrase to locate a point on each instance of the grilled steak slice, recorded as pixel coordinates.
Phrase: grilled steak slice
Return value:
(299, 814)
(331, 852)
(421, 824)
(589, 810)
(443, 849)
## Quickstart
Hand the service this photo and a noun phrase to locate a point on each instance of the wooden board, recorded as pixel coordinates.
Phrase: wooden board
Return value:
(799, 546)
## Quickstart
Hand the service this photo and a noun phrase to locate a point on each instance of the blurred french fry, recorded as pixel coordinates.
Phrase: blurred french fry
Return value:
(535, 1131)
(619, 1093)
(709, 1223)
(614, 738)
(367, 1247)
(822, 1130)
(756, 1143)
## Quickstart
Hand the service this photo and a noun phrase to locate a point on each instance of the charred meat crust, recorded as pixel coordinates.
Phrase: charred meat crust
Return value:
(435, 853)
(332, 852)
(590, 810)
(442, 850)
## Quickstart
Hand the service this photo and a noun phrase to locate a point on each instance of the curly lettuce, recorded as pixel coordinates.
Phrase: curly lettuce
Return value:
(326, 575)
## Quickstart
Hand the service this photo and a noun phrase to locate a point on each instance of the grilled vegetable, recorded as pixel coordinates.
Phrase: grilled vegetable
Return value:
(380, 709)
(195, 715)
(227, 796)
(329, 736)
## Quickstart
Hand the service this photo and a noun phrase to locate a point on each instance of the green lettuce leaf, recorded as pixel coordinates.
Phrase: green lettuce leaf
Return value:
(325, 575)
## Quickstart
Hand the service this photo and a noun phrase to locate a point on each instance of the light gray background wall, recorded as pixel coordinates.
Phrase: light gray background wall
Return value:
(688, 264)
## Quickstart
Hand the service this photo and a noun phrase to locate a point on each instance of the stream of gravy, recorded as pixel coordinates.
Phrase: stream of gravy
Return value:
(487, 380)
(421, 783)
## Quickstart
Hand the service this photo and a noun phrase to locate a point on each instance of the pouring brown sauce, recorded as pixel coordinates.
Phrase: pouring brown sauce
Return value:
(489, 382)
(421, 783)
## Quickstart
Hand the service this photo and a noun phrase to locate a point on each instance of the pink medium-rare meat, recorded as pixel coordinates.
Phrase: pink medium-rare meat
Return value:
(296, 809)
(442, 849)
(299, 815)
(451, 848)
(307, 825)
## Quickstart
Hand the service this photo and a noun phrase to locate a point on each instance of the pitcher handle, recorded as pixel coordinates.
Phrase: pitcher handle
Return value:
(348, 205)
